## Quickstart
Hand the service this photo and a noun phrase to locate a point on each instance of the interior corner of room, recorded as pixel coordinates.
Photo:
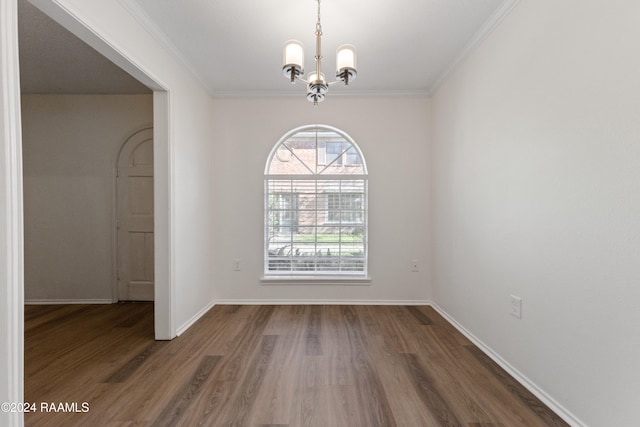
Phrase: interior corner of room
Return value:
(502, 178)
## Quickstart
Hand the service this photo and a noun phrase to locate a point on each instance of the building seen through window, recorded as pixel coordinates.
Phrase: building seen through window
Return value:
(316, 205)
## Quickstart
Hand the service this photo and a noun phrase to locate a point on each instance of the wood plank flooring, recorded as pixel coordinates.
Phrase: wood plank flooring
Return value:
(345, 366)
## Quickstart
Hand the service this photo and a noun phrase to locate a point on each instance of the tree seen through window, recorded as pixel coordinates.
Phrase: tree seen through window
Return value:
(315, 205)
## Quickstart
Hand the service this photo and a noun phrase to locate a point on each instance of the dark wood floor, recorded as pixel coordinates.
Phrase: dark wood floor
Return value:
(267, 366)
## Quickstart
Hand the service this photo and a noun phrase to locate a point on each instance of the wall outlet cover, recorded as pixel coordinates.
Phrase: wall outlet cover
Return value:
(516, 307)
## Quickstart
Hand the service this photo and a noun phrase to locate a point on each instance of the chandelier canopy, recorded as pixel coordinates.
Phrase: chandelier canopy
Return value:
(317, 86)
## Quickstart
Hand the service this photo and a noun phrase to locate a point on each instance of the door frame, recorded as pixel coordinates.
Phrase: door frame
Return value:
(11, 219)
(164, 304)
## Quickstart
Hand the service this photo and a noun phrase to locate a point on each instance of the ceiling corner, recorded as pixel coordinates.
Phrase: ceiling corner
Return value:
(487, 28)
(147, 23)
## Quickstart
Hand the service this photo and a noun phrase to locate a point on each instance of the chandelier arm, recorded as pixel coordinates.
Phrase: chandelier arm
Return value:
(335, 82)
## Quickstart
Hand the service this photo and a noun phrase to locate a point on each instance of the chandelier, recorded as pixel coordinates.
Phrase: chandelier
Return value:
(317, 86)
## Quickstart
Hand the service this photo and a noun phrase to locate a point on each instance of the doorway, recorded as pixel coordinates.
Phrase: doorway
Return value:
(162, 200)
(135, 218)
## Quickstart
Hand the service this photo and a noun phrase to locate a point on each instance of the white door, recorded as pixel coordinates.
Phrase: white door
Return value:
(135, 218)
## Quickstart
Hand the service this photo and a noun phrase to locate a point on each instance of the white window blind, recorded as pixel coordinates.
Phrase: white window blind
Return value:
(316, 205)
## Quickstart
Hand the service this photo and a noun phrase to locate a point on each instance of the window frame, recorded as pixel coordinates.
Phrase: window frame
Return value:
(349, 270)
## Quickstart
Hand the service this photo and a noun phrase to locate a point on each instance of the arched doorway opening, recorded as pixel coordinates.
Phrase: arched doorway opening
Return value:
(135, 218)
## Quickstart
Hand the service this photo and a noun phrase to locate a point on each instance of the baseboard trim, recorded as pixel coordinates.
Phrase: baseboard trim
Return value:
(195, 318)
(319, 302)
(556, 407)
(209, 306)
(67, 301)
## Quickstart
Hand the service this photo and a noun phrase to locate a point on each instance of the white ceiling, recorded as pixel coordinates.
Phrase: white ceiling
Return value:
(52, 60)
(235, 47)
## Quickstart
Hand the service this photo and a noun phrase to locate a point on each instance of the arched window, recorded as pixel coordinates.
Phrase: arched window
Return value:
(315, 205)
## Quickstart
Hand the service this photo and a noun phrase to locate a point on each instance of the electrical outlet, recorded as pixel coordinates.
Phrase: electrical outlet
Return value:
(415, 266)
(236, 264)
(516, 307)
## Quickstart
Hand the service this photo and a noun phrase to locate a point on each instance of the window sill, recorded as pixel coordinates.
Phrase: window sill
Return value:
(316, 280)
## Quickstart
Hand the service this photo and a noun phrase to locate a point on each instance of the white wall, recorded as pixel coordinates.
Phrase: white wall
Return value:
(393, 134)
(536, 190)
(70, 145)
(183, 152)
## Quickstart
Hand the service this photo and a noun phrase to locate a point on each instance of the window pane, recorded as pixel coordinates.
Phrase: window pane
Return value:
(289, 162)
(352, 235)
(313, 224)
(333, 152)
(353, 158)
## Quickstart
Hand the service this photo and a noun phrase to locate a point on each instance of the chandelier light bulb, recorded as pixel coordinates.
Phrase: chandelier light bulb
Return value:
(345, 58)
(317, 87)
(312, 77)
(293, 53)
(293, 59)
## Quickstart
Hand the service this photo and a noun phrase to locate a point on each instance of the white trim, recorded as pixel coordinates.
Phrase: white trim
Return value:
(195, 318)
(491, 24)
(164, 218)
(353, 93)
(150, 26)
(319, 302)
(11, 218)
(44, 301)
(87, 31)
(313, 177)
(556, 407)
(315, 280)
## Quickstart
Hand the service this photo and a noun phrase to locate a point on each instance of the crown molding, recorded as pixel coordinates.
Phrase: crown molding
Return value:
(150, 26)
(491, 24)
(350, 94)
